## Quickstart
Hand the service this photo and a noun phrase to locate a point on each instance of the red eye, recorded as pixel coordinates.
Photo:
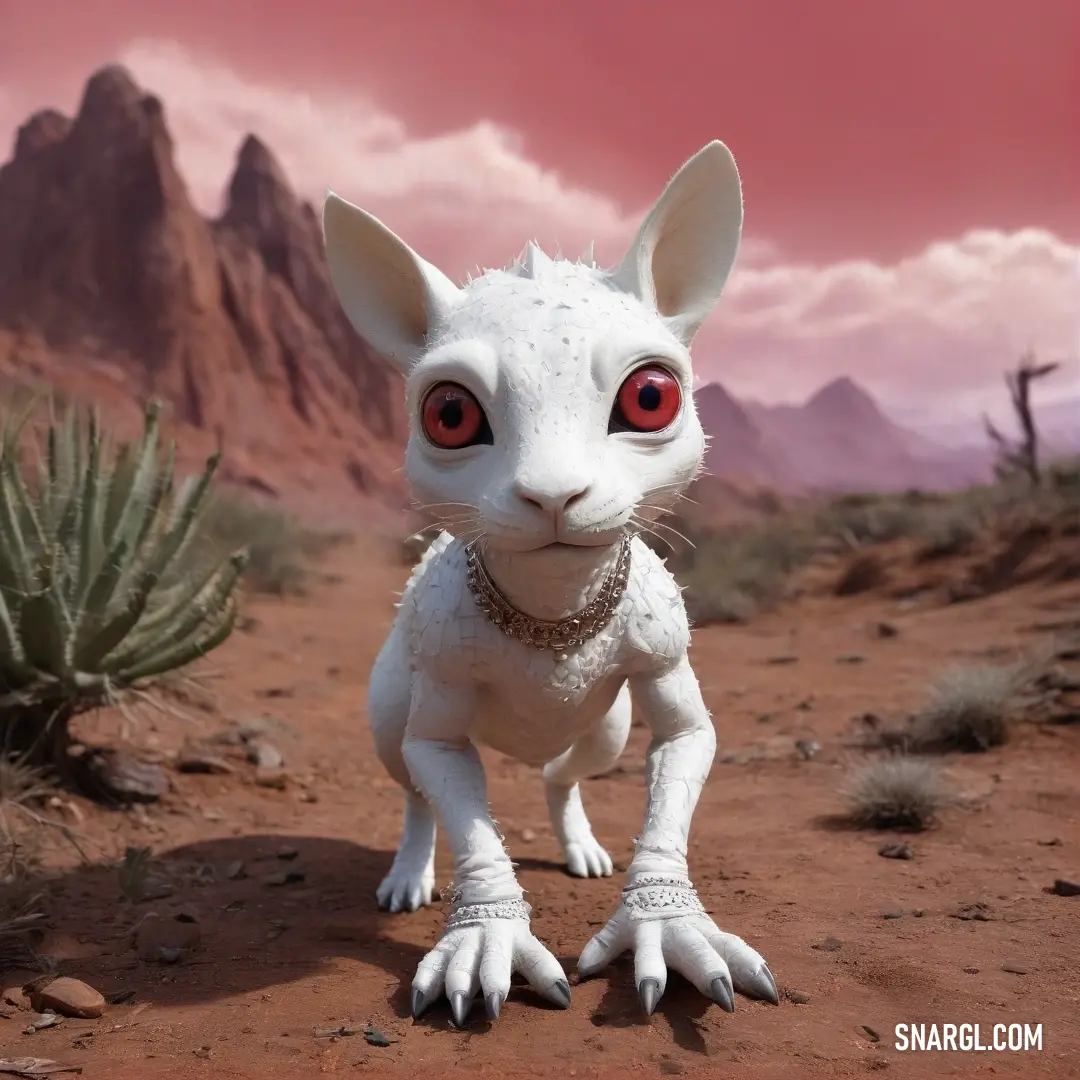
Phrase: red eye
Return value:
(649, 400)
(452, 417)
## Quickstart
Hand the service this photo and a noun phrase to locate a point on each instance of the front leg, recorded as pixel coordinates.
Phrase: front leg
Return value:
(488, 935)
(661, 918)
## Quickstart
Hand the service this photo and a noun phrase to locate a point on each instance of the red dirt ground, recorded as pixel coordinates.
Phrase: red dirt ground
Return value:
(279, 962)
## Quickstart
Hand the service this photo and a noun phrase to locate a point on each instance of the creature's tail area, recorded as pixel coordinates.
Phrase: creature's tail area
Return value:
(439, 544)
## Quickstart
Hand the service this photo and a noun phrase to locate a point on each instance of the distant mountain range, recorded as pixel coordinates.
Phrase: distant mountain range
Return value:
(840, 439)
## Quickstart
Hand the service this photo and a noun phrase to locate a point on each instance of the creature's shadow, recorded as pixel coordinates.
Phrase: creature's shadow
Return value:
(260, 932)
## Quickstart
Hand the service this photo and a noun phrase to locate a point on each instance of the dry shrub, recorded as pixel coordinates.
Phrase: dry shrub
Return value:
(970, 708)
(281, 547)
(733, 574)
(863, 573)
(897, 793)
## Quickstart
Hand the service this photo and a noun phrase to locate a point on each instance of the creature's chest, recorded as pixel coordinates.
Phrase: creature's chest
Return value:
(457, 642)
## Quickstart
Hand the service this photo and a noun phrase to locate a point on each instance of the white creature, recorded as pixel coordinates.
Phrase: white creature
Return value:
(552, 418)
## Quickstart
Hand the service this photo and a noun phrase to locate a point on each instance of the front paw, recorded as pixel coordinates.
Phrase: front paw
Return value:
(483, 946)
(586, 858)
(662, 922)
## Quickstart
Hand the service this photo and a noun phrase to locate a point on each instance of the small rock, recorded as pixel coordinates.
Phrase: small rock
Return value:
(265, 755)
(893, 913)
(1063, 887)
(785, 659)
(161, 940)
(871, 1034)
(830, 944)
(7, 1012)
(1014, 969)
(123, 779)
(896, 851)
(202, 1052)
(528, 835)
(796, 997)
(1054, 841)
(69, 997)
(286, 853)
(271, 778)
(807, 748)
(970, 970)
(885, 630)
(292, 877)
(42, 1022)
(193, 761)
(375, 1037)
(977, 912)
(11, 989)
(236, 870)
(918, 912)
(120, 997)
(308, 797)
(851, 658)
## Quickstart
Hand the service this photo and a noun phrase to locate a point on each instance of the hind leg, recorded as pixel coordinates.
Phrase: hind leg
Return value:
(410, 884)
(593, 754)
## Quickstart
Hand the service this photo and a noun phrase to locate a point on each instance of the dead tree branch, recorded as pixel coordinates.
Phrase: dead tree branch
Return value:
(1020, 458)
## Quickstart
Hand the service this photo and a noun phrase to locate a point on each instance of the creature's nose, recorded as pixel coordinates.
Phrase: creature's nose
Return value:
(551, 497)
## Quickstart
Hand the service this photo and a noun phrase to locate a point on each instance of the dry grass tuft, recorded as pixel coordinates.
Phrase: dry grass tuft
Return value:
(282, 548)
(897, 793)
(970, 708)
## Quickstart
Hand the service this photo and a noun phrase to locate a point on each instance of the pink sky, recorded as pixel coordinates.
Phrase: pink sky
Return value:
(911, 167)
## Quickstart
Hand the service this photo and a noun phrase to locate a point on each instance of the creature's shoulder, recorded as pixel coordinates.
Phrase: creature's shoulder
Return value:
(655, 622)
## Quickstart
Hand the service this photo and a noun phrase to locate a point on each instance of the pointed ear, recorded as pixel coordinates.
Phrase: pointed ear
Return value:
(685, 248)
(392, 297)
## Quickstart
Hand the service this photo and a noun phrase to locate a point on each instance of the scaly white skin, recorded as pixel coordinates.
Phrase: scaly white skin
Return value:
(548, 493)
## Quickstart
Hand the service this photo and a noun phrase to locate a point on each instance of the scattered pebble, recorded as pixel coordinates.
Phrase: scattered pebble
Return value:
(202, 1052)
(796, 997)
(807, 748)
(1054, 841)
(893, 913)
(851, 658)
(977, 912)
(265, 755)
(69, 997)
(236, 870)
(271, 778)
(871, 1034)
(375, 1037)
(830, 944)
(1063, 887)
(970, 970)
(42, 1022)
(1014, 969)
(786, 659)
(161, 940)
(286, 853)
(528, 835)
(918, 912)
(885, 630)
(292, 877)
(194, 761)
(896, 851)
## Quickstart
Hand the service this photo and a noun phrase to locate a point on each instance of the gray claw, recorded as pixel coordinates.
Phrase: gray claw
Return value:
(720, 991)
(460, 1003)
(765, 986)
(561, 989)
(419, 1003)
(649, 992)
(493, 1002)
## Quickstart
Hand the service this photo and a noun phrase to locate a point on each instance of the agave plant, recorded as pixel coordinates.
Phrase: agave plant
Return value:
(94, 593)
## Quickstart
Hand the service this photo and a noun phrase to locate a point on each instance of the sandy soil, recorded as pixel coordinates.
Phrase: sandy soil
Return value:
(279, 962)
